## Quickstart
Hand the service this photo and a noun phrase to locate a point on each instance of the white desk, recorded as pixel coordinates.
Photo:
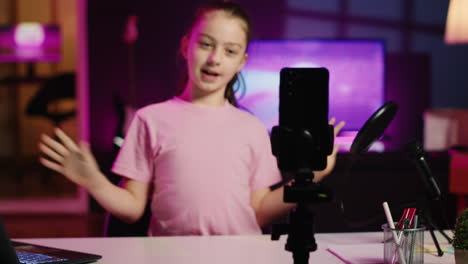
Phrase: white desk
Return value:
(217, 249)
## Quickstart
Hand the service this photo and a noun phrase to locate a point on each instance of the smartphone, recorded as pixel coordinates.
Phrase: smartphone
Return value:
(303, 112)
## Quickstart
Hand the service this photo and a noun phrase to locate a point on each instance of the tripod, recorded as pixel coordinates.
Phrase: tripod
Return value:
(301, 144)
(300, 229)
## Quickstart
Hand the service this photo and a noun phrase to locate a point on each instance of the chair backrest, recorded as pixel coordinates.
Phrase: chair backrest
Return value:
(58, 88)
(114, 227)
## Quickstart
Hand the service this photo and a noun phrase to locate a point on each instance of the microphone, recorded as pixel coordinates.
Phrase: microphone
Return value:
(416, 153)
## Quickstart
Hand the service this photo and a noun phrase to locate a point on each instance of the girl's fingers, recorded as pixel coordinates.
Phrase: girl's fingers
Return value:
(51, 165)
(54, 145)
(84, 146)
(86, 150)
(66, 140)
(341, 125)
(338, 127)
(49, 152)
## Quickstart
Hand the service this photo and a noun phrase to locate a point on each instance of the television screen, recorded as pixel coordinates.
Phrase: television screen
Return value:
(356, 86)
(30, 42)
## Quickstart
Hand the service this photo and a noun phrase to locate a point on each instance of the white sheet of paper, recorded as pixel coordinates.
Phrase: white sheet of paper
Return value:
(358, 253)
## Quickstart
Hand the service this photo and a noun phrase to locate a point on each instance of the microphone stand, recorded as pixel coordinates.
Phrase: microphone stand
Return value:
(433, 192)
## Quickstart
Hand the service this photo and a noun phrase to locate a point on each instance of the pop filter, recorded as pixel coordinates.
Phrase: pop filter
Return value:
(374, 127)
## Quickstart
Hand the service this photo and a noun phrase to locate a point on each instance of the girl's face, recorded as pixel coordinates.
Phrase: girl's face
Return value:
(215, 52)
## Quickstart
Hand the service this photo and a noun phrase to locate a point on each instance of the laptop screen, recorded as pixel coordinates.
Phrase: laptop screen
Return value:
(12, 252)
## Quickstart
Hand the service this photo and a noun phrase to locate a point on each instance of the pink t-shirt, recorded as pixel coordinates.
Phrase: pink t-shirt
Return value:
(204, 163)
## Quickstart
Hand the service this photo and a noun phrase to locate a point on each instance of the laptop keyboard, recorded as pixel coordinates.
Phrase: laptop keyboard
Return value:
(33, 258)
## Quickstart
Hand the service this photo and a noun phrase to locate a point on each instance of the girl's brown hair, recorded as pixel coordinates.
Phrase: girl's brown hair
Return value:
(233, 10)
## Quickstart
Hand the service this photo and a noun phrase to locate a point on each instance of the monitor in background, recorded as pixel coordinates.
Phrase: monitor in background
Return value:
(357, 82)
(30, 42)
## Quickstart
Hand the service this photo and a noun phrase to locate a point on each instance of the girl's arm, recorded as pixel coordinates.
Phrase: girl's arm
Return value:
(78, 164)
(126, 202)
(269, 206)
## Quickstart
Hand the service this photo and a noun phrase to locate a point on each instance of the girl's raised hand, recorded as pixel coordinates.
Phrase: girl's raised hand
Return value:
(331, 159)
(75, 162)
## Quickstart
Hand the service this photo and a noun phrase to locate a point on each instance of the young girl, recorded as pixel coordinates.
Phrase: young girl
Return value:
(208, 164)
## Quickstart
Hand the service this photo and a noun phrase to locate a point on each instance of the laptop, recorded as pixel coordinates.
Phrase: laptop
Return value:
(12, 252)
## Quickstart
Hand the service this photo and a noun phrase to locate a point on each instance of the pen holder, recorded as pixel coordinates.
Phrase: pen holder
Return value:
(411, 245)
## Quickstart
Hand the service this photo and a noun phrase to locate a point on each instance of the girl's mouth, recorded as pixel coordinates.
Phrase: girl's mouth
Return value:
(210, 73)
(209, 76)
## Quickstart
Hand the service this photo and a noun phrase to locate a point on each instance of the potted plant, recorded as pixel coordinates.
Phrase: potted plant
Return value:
(460, 241)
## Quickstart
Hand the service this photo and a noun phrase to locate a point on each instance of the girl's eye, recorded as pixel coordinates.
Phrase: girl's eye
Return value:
(231, 52)
(205, 44)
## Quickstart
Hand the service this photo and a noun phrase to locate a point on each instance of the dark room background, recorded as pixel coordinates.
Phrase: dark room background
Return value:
(421, 72)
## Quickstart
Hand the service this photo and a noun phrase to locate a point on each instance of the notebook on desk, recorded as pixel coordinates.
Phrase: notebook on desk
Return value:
(12, 252)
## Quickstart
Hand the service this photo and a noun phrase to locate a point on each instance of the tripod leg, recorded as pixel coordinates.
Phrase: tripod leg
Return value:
(433, 226)
(440, 253)
(427, 215)
(444, 217)
(449, 240)
(301, 257)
